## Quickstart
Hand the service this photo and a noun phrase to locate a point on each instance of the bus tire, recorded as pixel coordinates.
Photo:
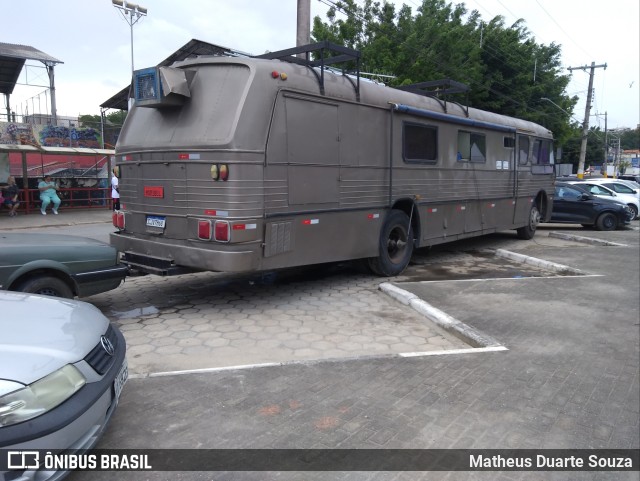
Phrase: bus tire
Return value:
(46, 285)
(607, 221)
(395, 246)
(528, 231)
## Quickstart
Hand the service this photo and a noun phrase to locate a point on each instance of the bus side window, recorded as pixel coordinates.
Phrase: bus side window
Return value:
(420, 143)
(541, 154)
(523, 150)
(471, 147)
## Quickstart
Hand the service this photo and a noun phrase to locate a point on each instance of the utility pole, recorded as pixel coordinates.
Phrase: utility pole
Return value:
(585, 124)
(304, 23)
(606, 146)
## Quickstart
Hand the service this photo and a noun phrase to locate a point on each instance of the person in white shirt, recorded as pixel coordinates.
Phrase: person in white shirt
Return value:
(115, 190)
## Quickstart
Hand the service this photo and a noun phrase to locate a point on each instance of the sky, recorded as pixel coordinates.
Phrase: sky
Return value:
(93, 40)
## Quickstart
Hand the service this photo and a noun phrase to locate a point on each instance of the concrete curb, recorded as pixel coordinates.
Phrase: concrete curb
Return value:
(586, 240)
(462, 331)
(534, 261)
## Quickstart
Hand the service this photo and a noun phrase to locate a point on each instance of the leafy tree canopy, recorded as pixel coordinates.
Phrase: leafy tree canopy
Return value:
(507, 70)
(113, 119)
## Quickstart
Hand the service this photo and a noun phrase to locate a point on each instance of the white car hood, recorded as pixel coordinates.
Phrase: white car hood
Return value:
(40, 334)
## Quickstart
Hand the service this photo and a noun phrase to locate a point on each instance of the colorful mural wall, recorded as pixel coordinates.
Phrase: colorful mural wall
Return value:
(49, 136)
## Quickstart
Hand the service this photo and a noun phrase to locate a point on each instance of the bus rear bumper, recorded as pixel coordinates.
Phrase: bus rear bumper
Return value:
(178, 256)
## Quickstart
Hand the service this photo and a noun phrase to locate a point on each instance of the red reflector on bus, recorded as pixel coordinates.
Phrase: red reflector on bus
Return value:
(188, 156)
(204, 230)
(221, 232)
(245, 226)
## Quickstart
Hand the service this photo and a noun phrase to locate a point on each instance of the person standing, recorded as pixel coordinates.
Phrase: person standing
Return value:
(10, 194)
(115, 190)
(48, 193)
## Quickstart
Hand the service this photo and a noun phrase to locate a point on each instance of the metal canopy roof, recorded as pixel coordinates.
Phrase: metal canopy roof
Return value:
(193, 48)
(12, 59)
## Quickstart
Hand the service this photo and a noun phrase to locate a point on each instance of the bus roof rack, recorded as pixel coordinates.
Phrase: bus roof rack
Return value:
(346, 54)
(440, 90)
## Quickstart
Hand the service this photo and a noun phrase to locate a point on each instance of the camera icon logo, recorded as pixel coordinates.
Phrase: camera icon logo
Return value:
(23, 460)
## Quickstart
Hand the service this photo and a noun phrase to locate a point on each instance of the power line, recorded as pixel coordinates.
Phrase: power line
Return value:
(561, 29)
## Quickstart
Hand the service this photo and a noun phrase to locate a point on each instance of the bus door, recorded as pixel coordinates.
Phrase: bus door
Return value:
(522, 167)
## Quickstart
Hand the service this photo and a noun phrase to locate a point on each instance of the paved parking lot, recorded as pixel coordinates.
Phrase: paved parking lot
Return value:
(568, 379)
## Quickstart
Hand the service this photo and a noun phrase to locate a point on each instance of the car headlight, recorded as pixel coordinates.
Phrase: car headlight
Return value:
(41, 396)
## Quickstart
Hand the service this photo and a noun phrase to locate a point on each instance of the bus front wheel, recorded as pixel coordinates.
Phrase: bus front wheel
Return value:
(528, 231)
(395, 246)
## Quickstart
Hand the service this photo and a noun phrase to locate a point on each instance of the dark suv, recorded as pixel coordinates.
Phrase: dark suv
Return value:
(574, 205)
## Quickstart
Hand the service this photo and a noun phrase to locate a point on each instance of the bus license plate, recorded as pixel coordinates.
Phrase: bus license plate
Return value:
(121, 379)
(156, 221)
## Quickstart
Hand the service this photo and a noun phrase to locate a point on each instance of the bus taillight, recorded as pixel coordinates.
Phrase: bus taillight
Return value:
(222, 231)
(204, 230)
(220, 172)
(224, 172)
(118, 219)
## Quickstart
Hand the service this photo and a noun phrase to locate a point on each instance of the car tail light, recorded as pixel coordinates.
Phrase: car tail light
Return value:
(204, 230)
(222, 231)
(114, 219)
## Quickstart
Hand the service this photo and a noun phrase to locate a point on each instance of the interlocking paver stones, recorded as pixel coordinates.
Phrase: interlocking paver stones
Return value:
(339, 316)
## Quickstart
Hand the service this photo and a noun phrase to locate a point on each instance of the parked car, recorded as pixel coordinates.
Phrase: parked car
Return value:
(58, 265)
(613, 190)
(633, 178)
(574, 205)
(62, 369)
(620, 185)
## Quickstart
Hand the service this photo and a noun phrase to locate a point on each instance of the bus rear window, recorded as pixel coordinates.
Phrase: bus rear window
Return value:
(209, 117)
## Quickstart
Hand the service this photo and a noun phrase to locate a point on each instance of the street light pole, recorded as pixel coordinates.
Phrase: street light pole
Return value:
(552, 102)
(131, 14)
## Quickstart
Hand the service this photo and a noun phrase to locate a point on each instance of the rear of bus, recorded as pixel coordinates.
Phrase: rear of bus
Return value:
(191, 160)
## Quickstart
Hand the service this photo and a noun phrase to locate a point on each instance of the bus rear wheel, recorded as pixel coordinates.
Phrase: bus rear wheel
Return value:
(395, 246)
(528, 231)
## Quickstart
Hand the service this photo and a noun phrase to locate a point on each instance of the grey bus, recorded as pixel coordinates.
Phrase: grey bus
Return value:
(241, 164)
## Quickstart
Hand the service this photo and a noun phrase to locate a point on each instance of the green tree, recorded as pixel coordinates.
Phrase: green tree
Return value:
(595, 147)
(630, 139)
(507, 70)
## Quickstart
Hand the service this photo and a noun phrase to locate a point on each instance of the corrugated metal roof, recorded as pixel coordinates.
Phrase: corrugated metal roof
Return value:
(12, 59)
(25, 52)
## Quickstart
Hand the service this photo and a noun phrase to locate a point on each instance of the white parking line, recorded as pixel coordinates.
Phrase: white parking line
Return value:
(471, 350)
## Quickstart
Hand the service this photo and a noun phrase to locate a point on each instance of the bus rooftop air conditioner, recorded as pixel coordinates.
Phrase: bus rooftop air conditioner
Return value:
(161, 87)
